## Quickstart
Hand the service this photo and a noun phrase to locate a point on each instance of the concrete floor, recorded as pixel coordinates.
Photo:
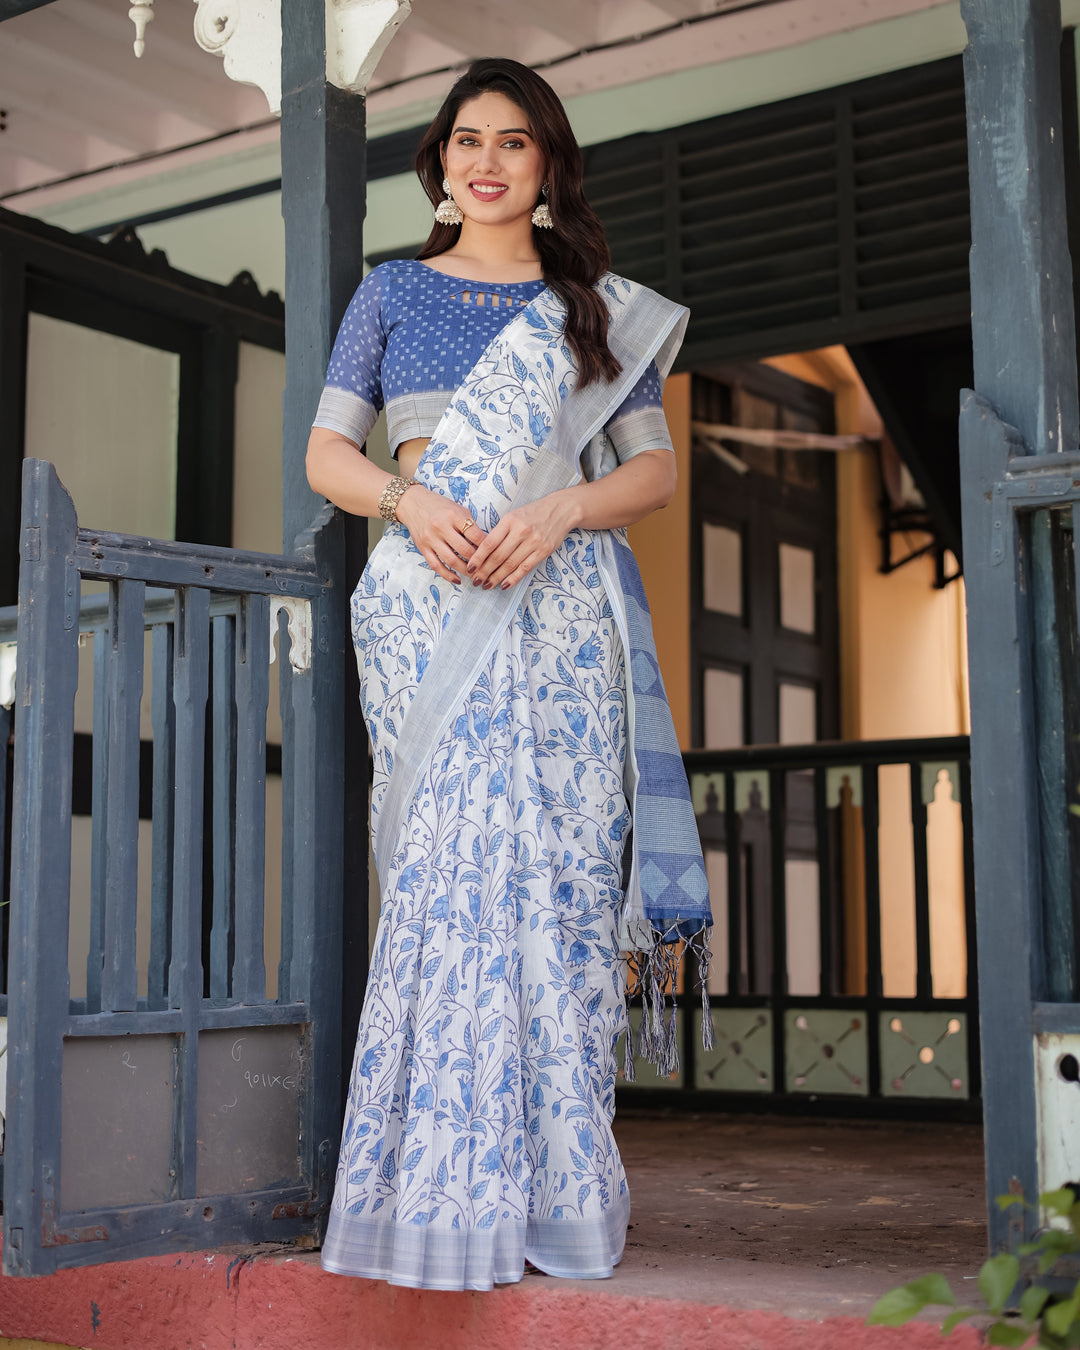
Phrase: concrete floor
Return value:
(806, 1217)
(748, 1233)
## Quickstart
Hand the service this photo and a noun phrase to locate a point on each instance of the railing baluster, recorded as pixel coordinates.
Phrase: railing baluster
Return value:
(825, 885)
(252, 697)
(163, 720)
(777, 850)
(872, 876)
(924, 983)
(190, 680)
(223, 721)
(736, 975)
(124, 658)
(99, 823)
(291, 766)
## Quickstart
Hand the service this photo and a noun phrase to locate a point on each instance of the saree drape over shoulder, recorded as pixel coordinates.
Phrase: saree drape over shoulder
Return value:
(531, 822)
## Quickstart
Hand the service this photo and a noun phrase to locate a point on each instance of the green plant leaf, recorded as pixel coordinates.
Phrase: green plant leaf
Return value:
(955, 1318)
(1058, 1202)
(1031, 1302)
(901, 1305)
(997, 1279)
(1059, 1317)
(1005, 1333)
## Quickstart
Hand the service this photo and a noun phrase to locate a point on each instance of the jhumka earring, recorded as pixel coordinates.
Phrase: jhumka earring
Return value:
(448, 212)
(541, 216)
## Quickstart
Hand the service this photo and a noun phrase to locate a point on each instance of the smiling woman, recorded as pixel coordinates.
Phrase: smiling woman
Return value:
(518, 724)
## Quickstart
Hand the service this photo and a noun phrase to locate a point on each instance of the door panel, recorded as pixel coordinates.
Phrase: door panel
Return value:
(764, 638)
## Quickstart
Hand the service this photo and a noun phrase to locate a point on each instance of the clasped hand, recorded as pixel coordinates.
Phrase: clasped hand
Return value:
(516, 547)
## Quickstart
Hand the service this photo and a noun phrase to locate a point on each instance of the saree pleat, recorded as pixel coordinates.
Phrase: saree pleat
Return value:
(478, 1128)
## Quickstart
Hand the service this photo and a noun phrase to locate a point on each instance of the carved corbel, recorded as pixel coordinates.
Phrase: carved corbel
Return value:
(357, 34)
(246, 34)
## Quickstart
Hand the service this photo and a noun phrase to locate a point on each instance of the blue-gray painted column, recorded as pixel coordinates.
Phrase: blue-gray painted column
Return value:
(323, 200)
(323, 150)
(1025, 403)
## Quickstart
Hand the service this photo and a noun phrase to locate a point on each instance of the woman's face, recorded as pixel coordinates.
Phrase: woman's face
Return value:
(492, 161)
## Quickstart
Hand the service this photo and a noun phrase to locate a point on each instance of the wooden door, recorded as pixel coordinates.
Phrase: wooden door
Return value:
(764, 640)
(763, 561)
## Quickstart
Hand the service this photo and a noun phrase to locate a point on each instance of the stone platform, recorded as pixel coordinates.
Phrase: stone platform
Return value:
(747, 1233)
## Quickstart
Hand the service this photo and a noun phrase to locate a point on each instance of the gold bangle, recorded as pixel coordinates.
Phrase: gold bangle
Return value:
(391, 494)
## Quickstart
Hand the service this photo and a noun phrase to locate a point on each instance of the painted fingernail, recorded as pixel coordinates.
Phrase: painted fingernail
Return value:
(487, 585)
(506, 585)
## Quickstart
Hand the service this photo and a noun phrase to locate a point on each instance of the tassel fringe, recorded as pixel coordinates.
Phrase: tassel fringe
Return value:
(658, 971)
(628, 1071)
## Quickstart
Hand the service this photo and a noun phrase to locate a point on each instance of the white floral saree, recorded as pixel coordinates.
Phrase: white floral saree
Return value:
(522, 743)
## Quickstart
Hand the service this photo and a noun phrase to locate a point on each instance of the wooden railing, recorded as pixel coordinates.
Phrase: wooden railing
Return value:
(166, 1088)
(843, 971)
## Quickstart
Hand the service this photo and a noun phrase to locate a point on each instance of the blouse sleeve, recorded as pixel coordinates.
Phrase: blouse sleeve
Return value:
(352, 397)
(639, 423)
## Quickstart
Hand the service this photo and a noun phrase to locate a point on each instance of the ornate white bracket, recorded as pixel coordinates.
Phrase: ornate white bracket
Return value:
(140, 14)
(246, 34)
(299, 615)
(357, 34)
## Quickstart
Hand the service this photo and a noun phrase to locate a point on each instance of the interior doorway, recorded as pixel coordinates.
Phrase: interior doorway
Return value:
(764, 608)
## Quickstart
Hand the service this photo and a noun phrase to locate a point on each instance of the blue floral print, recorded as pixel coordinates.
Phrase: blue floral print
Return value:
(483, 1086)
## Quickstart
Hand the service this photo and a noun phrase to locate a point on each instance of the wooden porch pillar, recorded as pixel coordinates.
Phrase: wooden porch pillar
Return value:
(1018, 435)
(323, 191)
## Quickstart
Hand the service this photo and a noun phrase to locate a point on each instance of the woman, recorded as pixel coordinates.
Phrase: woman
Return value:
(495, 625)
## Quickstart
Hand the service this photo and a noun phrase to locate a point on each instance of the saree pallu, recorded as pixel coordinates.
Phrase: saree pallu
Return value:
(478, 1127)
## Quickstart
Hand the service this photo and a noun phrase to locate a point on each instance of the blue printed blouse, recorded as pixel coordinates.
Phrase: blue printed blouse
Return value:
(410, 336)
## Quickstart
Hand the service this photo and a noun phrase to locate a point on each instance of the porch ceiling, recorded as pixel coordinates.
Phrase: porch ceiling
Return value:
(74, 97)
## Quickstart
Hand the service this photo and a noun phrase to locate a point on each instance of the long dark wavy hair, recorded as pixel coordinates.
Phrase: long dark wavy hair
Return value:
(574, 254)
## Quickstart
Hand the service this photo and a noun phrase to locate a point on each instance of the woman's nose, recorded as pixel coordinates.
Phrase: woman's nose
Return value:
(487, 158)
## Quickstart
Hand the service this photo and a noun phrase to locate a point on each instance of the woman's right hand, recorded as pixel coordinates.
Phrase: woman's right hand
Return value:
(434, 522)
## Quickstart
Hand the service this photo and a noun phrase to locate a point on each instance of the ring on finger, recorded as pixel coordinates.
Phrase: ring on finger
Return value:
(466, 526)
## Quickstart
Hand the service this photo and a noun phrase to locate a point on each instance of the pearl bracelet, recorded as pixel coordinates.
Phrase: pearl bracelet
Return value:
(392, 493)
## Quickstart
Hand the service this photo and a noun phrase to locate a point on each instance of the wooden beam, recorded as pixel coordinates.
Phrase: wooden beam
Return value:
(1023, 332)
(10, 9)
(1025, 403)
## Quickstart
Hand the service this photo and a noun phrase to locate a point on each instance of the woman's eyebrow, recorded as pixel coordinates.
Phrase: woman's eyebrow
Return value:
(475, 131)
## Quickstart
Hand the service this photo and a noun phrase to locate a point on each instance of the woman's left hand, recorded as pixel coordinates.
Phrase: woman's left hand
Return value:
(522, 540)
